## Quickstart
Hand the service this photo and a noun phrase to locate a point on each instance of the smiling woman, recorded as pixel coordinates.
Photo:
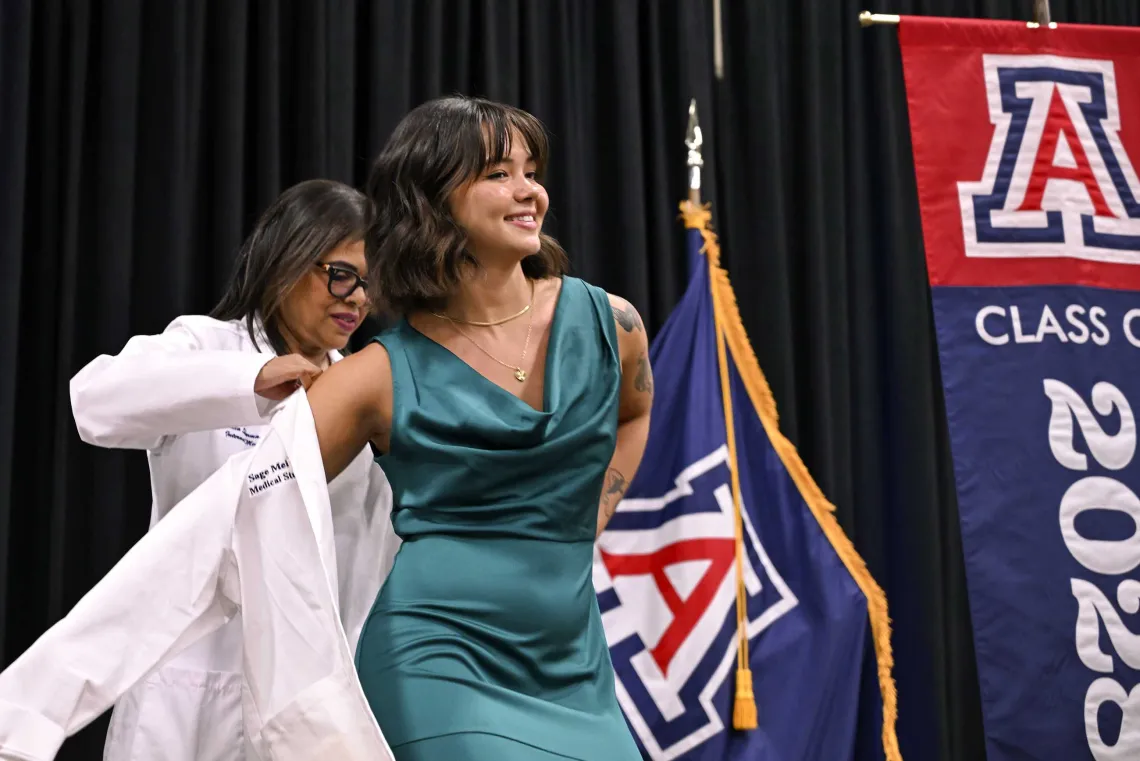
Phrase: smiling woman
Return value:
(197, 394)
(512, 404)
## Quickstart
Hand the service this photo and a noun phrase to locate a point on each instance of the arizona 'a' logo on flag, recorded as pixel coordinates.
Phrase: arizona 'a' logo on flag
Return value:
(736, 610)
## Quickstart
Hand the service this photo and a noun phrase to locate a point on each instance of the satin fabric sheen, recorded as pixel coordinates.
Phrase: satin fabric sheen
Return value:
(487, 633)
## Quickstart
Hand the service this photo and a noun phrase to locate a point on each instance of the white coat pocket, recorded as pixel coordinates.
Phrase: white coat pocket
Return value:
(179, 715)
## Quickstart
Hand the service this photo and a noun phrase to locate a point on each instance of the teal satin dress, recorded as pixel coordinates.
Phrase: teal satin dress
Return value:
(486, 642)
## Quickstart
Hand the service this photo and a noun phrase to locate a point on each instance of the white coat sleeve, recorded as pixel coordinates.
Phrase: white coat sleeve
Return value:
(176, 585)
(165, 385)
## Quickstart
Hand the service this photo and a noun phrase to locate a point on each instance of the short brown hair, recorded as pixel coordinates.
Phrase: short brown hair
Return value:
(417, 252)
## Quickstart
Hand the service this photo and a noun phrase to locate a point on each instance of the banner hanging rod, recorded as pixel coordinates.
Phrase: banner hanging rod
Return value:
(866, 18)
(1041, 14)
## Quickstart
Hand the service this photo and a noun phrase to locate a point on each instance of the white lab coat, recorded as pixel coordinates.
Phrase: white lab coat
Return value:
(186, 397)
(254, 543)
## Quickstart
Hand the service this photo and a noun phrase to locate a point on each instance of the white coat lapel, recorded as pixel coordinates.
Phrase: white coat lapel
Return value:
(297, 432)
(302, 682)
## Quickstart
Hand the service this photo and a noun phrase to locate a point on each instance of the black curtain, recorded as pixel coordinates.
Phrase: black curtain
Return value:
(139, 140)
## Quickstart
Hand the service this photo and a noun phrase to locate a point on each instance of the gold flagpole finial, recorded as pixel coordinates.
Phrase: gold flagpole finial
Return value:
(694, 141)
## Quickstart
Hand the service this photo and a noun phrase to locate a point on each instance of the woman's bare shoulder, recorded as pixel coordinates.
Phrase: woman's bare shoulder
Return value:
(364, 373)
(631, 334)
(361, 383)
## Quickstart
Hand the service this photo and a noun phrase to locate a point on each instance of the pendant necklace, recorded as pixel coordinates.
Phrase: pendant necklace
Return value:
(520, 374)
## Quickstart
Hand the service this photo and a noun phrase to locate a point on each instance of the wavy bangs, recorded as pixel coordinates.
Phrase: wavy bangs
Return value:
(417, 252)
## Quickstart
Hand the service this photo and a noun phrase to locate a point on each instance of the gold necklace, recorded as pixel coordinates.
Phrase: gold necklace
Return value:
(492, 323)
(520, 374)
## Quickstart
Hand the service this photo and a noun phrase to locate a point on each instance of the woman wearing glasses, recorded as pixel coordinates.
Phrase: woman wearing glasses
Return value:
(199, 393)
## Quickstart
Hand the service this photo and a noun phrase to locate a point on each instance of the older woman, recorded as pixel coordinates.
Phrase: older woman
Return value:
(196, 394)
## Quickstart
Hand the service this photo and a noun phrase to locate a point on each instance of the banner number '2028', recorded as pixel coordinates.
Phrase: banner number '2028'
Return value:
(1112, 452)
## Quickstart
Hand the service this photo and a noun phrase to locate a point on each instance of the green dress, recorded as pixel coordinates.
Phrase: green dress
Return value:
(486, 642)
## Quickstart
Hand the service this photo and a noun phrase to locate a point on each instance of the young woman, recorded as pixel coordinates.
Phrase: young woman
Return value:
(197, 394)
(511, 403)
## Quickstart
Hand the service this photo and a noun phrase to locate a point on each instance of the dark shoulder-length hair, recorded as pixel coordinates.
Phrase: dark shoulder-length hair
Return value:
(299, 227)
(417, 252)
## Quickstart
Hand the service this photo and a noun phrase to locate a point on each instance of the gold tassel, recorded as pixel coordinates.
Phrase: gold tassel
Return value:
(744, 708)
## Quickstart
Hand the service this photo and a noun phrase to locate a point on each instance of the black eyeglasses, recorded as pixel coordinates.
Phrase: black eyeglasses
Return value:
(343, 282)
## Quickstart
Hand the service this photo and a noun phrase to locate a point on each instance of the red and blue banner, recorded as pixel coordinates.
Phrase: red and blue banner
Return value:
(1026, 142)
(742, 625)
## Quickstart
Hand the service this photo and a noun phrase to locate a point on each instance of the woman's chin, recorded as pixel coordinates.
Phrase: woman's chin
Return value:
(529, 249)
(336, 342)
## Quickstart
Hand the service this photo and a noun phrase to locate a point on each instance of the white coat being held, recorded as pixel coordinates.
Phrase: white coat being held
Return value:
(187, 398)
(257, 538)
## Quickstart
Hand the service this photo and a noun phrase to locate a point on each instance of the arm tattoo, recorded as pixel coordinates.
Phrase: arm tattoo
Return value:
(643, 381)
(614, 491)
(628, 318)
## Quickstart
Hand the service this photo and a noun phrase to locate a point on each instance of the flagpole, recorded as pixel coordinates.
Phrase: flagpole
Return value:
(718, 42)
(744, 706)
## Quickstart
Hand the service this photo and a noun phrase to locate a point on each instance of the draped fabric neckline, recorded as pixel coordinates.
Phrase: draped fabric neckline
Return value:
(547, 362)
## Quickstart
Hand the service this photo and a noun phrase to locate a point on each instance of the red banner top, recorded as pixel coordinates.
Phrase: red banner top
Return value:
(1026, 143)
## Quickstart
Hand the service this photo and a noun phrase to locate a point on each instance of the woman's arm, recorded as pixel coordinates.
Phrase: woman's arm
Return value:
(165, 385)
(633, 409)
(352, 405)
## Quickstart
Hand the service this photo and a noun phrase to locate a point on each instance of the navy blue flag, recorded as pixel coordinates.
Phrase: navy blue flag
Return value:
(735, 632)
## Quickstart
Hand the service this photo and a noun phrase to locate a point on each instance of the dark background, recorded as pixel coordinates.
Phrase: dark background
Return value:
(138, 140)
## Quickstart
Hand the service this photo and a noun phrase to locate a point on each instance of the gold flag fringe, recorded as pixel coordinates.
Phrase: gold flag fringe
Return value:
(760, 393)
